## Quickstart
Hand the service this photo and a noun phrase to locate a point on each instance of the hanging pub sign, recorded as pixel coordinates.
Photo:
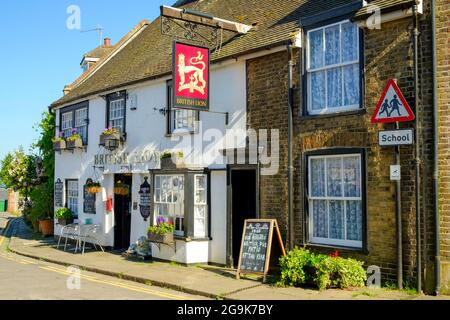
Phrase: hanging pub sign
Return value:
(88, 199)
(191, 77)
(59, 190)
(145, 199)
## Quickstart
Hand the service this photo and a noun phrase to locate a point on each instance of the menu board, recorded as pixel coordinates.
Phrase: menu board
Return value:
(256, 246)
(88, 200)
(59, 192)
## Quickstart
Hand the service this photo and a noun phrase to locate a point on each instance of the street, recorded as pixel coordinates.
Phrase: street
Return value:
(27, 279)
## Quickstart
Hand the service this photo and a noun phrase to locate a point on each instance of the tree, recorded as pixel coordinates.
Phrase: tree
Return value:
(18, 171)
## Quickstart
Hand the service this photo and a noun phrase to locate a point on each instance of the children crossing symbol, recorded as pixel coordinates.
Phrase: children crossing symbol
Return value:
(392, 106)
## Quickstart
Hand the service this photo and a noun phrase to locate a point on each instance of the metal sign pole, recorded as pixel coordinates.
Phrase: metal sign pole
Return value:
(399, 219)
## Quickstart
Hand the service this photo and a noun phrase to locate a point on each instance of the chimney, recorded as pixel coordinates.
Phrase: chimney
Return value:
(107, 42)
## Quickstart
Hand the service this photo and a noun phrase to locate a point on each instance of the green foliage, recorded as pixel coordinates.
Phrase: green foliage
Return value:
(162, 228)
(167, 154)
(42, 203)
(300, 267)
(18, 171)
(74, 137)
(64, 213)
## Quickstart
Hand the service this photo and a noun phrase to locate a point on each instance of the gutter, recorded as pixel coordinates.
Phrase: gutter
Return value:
(290, 139)
(437, 258)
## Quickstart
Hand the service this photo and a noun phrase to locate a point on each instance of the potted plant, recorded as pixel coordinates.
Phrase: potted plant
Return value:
(93, 187)
(64, 216)
(59, 143)
(46, 226)
(161, 233)
(121, 188)
(75, 141)
(172, 160)
(110, 138)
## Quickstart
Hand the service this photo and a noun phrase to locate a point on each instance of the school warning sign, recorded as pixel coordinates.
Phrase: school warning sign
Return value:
(392, 106)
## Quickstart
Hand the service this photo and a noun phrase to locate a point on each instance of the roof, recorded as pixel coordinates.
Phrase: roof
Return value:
(148, 55)
(384, 5)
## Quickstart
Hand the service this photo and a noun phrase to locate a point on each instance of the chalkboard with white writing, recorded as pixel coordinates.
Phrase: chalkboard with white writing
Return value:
(257, 245)
(59, 190)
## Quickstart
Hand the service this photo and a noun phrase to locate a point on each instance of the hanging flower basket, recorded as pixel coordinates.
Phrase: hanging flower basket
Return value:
(121, 189)
(93, 187)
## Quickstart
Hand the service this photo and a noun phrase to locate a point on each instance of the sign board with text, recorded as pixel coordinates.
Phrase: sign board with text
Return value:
(396, 137)
(191, 77)
(256, 246)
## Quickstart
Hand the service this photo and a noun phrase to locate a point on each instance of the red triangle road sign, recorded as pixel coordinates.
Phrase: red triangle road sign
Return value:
(392, 106)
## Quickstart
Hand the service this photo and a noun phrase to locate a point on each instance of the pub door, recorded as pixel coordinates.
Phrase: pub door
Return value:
(244, 202)
(122, 214)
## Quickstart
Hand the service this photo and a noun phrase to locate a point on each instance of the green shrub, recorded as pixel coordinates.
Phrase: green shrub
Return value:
(64, 213)
(162, 228)
(300, 267)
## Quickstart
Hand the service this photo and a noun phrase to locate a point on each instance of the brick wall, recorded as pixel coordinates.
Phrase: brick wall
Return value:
(388, 54)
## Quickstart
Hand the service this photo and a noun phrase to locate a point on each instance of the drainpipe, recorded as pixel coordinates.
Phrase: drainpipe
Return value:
(437, 258)
(290, 138)
(417, 136)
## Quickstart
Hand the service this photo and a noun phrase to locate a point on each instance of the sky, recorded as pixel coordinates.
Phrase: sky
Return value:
(39, 54)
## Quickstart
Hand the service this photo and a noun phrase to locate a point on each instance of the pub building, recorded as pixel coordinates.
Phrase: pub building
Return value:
(311, 72)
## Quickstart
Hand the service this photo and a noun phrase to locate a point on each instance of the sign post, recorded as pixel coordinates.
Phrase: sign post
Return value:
(393, 108)
(256, 246)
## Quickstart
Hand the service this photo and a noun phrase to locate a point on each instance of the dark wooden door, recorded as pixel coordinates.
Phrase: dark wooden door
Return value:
(244, 205)
(122, 214)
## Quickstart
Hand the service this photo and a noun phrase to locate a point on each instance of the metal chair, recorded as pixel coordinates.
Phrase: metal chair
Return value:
(89, 233)
(71, 231)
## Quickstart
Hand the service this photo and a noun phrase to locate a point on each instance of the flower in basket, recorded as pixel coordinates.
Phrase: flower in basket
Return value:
(162, 228)
(110, 131)
(59, 138)
(75, 135)
(334, 254)
(93, 187)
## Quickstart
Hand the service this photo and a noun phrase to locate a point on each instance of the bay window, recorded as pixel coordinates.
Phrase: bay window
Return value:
(182, 200)
(333, 68)
(335, 199)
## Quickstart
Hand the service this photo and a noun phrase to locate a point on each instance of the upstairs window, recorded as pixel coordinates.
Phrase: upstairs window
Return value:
(74, 119)
(179, 120)
(116, 111)
(333, 68)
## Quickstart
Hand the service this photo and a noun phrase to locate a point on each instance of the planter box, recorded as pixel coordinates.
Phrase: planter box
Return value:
(168, 164)
(75, 144)
(112, 136)
(157, 238)
(65, 222)
(59, 145)
(46, 227)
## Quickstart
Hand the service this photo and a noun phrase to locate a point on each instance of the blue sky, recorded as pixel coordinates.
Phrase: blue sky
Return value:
(39, 54)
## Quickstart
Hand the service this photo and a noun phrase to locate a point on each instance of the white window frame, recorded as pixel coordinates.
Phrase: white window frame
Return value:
(311, 199)
(72, 195)
(67, 123)
(183, 120)
(203, 205)
(309, 71)
(81, 124)
(163, 201)
(113, 107)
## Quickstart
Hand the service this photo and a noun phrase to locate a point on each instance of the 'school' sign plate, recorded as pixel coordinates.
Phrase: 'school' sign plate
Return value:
(191, 77)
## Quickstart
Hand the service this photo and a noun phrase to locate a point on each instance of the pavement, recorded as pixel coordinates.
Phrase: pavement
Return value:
(199, 280)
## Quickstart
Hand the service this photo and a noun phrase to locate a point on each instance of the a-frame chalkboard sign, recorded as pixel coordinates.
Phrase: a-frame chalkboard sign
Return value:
(256, 246)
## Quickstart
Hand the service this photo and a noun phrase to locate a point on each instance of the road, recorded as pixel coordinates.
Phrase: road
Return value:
(27, 279)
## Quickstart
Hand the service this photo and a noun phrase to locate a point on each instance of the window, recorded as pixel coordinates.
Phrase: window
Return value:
(333, 68)
(335, 200)
(117, 114)
(179, 119)
(72, 196)
(200, 206)
(75, 119)
(169, 200)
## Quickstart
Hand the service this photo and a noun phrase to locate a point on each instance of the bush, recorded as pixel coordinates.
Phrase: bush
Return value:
(64, 213)
(301, 267)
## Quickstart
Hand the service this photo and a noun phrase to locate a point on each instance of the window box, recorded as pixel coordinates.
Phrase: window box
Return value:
(111, 139)
(160, 238)
(172, 160)
(74, 144)
(59, 145)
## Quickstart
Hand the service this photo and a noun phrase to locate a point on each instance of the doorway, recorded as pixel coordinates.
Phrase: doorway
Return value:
(244, 205)
(122, 213)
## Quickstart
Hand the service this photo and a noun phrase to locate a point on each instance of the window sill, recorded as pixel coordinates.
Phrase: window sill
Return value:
(180, 134)
(336, 247)
(336, 114)
(189, 239)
